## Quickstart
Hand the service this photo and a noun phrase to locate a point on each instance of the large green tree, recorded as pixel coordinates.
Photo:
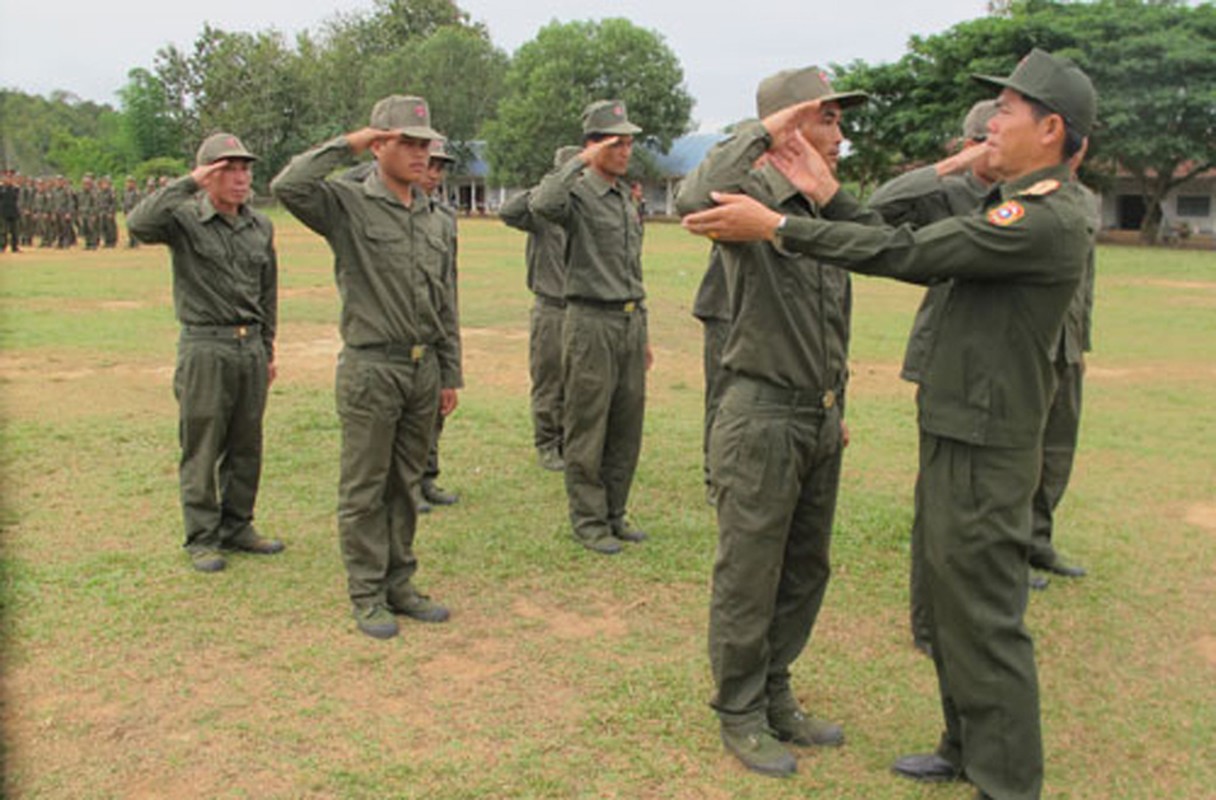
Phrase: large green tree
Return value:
(567, 65)
(147, 118)
(1153, 63)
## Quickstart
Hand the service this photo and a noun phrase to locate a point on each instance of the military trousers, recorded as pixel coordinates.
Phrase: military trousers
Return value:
(604, 391)
(715, 332)
(1059, 449)
(221, 383)
(10, 233)
(387, 403)
(545, 367)
(976, 518)
(430, 471)
(109, 230)
(775, 458)
(918, 612)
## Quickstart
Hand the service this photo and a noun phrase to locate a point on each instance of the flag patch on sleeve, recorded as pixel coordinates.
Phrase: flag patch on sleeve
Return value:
(1007, 213)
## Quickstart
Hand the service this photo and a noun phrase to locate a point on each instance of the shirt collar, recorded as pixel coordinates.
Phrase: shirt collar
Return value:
(1059, 172)
(598, 185)
(373, 186)
(207, 211)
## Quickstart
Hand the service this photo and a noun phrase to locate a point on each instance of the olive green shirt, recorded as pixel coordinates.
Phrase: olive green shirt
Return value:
(603, 232)
(1076, 338)
(87, 201)
(1016, 263)
(712, 301)
(225, 271)
(918, 198)
(545, 251)
(789, 315)
(106, 201)
(390, 260)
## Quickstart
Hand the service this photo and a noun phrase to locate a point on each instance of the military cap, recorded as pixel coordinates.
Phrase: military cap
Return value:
(793, 86)
(438, 151)
(565, 153)
(975, 124)
(608, 117)
(409, 115)
(1055, 82)
(221, 146)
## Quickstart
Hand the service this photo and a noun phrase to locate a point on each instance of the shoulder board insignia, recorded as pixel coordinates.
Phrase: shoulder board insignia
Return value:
(1007, 213)
(1041, 188)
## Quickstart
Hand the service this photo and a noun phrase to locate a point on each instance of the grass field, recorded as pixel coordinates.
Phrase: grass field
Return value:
(562, 674)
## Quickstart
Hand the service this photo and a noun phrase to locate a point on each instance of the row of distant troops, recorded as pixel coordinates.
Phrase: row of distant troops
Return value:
(55, 213)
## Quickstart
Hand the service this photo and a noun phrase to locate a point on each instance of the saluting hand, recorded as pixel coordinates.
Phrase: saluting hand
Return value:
(592, 150)
(202, 175)
(364, 138)
(805, 167)
(782, 124)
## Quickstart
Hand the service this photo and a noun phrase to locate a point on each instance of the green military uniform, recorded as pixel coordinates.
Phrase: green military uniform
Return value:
(225, 284)
(10, 214)
(397, 311)
(87, 213)
(107, 209)
(29, 223)
(1064, 418)
(918, 198)
(984, 394)
(430, 473)
(604, 335)
(776, 445)
(712, 307)
(63, 205)
(545, 254)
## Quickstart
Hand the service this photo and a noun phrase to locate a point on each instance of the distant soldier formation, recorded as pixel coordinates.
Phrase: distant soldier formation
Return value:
(51, 212)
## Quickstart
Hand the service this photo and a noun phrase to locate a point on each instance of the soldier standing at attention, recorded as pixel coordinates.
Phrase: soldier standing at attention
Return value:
(984, 395)
(225, 295)
(107, 208)
(400, 365)
(779, 433)
(10, 212)
(87, 211)
(431, 183)
(605, 352)
(545, 254)
(130, 199)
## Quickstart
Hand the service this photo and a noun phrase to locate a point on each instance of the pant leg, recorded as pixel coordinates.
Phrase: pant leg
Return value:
(240, 468)
(430, 471)
(545, 366)
(369, 491)
(753, 458)
(806, 565)
(419, 388)
(626, 415)
(590, 379)
(1059, 449)
(203, 386)
(977, 537)
(919, 611)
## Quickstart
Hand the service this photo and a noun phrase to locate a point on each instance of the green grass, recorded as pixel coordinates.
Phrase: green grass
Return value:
(561, 674)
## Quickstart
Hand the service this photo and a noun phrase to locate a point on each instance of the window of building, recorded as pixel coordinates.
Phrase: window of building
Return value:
(1194, 205)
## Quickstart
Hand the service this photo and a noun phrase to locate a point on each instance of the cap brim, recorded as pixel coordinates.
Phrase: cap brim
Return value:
(422, 132)
(620, 129)
(235, 156)
(845, 99)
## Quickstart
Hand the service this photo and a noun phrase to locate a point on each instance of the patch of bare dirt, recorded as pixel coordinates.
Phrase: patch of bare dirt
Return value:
(1202, 515)
(1206, 646)
(572, 625)
(1166, 283)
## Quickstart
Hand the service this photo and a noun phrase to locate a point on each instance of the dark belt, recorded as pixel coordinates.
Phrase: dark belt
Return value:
(624, 306)
(222, 331)
(771, 393)
(394, 351)
(546, 300)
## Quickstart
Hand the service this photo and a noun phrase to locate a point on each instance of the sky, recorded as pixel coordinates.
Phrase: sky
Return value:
(87, 47)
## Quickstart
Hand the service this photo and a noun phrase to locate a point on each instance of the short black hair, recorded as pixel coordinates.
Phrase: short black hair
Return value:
(1072, 137)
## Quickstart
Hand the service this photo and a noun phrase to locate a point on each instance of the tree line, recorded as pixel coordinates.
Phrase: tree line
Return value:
(1152, 61)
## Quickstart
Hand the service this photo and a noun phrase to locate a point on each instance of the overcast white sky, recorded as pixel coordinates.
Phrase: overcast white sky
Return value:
(88, 47)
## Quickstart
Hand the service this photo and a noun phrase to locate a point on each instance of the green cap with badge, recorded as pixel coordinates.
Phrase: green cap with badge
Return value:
(608, 117)
(407, 114)
(1055, 82)
(793, 86)
(440, 153)
(220, 147)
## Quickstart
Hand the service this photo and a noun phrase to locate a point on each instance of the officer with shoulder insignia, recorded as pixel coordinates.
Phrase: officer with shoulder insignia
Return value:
(545, 254)
(225, 295)
(983, 398)
(400, 365)
(605, 349)
(779, 435)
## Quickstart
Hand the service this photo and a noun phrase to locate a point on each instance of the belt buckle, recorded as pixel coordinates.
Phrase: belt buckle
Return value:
(629, 307)
(829, 398)
(417, 351)
(241, 331)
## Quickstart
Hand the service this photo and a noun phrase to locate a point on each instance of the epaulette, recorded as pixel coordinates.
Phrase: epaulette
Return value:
(1043, 187)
